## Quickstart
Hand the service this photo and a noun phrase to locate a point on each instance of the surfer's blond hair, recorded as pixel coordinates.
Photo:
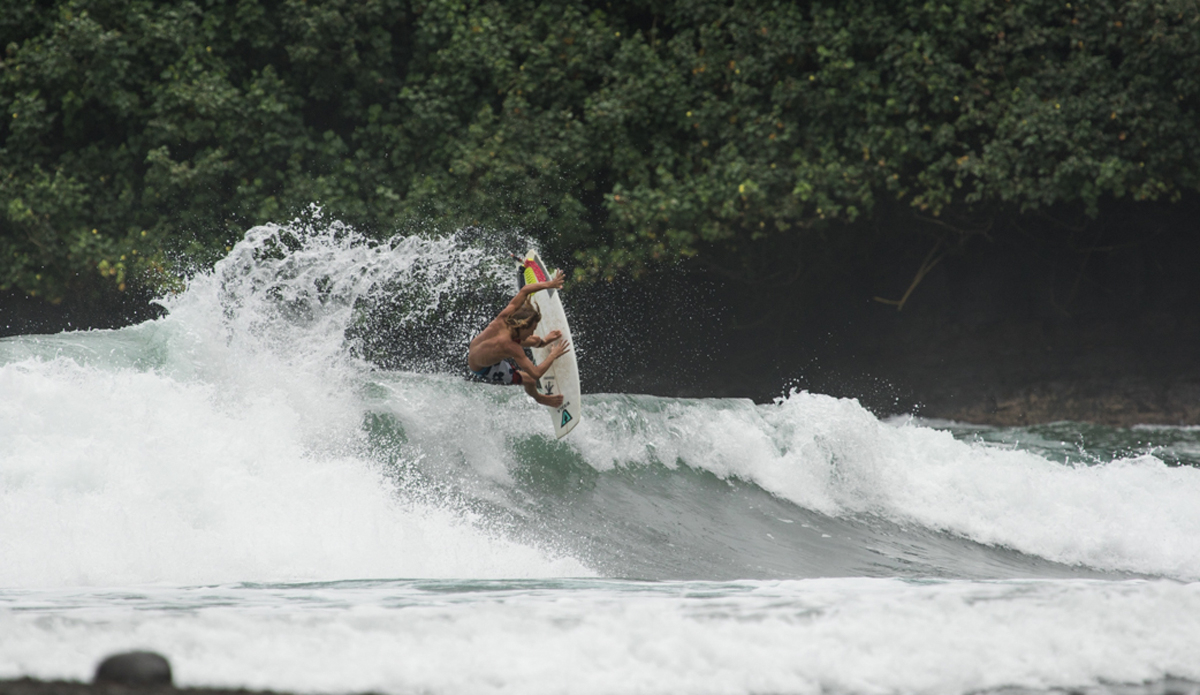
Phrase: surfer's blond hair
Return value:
(526, 316)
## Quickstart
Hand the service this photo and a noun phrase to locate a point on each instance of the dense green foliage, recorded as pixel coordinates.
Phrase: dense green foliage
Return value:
(137, 131)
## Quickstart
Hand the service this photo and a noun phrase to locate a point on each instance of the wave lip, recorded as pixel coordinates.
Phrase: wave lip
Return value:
(833, 457)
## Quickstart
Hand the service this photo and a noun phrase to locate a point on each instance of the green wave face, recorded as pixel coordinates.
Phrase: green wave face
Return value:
(644, 492)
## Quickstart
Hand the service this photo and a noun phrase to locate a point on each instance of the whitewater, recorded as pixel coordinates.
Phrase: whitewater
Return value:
(285, 483)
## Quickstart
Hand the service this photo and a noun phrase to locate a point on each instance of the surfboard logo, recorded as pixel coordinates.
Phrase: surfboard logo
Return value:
(565, 419)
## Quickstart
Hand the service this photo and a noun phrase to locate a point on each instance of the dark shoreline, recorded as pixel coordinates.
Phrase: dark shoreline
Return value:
(33, 686)
(997, 333)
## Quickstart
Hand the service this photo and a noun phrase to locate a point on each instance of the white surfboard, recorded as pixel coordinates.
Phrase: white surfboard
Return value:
(563, 375)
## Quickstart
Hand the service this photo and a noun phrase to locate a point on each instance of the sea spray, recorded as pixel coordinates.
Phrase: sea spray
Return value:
(225, 441)
(319, 291)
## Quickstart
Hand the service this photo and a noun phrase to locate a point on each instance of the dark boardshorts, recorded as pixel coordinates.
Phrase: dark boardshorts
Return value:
(504, 372)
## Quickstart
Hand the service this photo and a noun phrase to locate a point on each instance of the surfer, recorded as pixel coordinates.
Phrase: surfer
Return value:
(497, 354)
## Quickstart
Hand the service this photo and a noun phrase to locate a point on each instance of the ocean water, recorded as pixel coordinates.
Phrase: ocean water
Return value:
(234, 486)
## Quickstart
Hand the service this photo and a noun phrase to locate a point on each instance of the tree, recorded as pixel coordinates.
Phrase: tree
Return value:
(624, 133)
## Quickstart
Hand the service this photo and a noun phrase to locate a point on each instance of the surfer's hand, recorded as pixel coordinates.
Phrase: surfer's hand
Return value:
(556, 282)
(560, 348)
(552, 401)
(551, 337)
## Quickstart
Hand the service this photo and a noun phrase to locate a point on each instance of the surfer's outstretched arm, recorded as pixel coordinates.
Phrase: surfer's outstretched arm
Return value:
(535, 342)
(554, 283)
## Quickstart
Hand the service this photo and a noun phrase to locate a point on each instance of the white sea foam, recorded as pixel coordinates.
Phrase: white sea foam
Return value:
(810, 636)
(114, 477)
